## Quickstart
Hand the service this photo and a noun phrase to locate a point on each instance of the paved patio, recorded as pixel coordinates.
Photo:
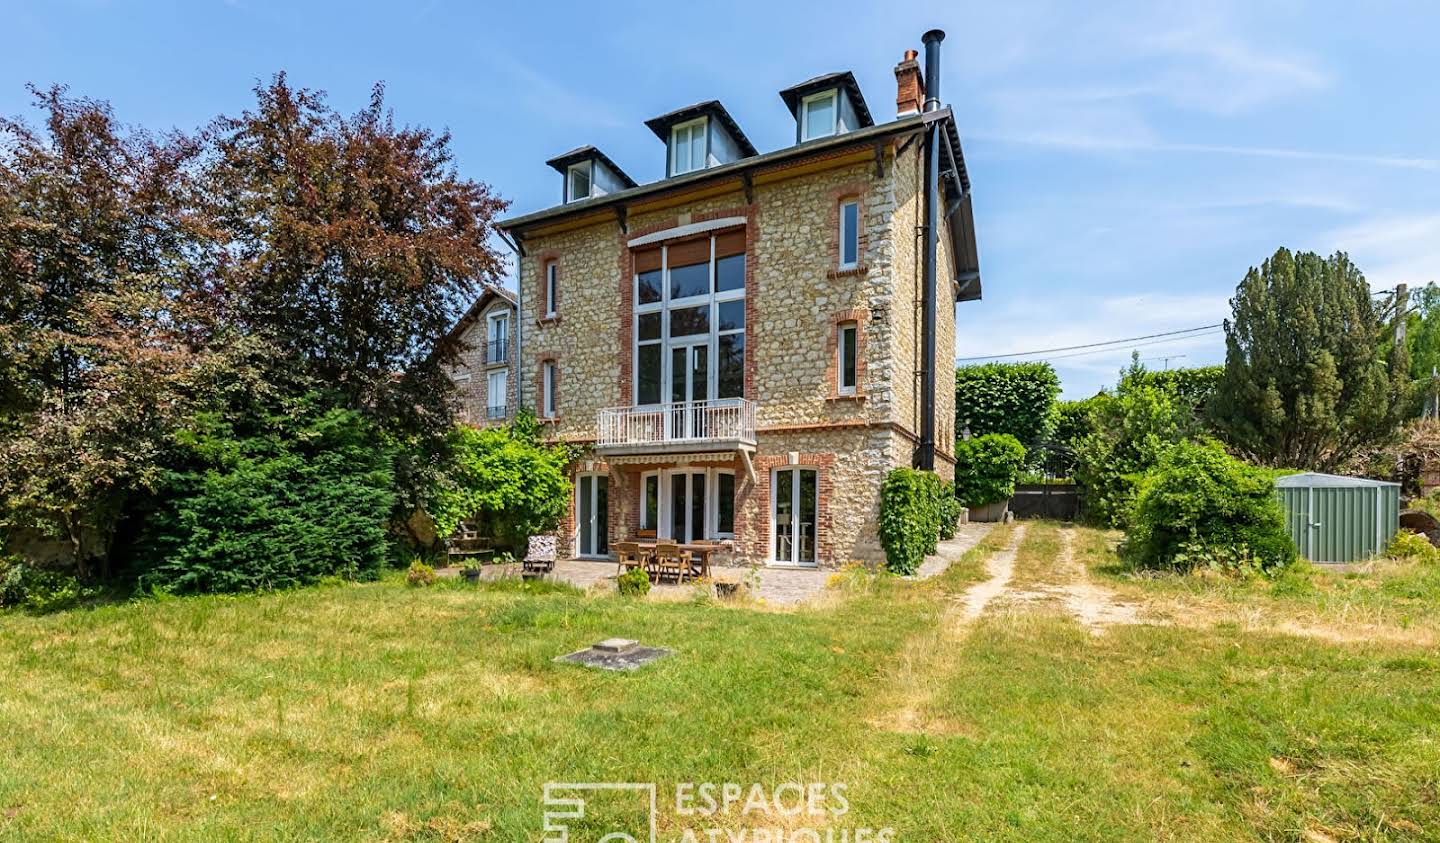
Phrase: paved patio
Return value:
(779, 586)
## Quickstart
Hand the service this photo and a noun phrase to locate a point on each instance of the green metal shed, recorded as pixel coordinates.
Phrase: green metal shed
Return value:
(1339, 519)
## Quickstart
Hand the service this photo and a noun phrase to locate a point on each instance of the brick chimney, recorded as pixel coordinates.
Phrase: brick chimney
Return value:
(909, 86)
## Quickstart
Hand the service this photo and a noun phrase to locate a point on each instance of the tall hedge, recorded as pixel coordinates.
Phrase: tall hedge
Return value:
(1013, 398)
(911, 511)
(986, 468)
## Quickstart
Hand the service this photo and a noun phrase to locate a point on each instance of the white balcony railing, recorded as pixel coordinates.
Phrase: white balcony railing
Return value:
(725, 421)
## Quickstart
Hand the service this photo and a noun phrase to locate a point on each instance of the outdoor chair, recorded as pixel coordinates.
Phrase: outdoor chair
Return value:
(540, 558)
(629, 556)
(671, 563)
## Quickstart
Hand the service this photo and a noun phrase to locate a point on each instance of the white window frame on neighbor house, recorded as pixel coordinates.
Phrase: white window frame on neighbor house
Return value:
(807, 132)
(548, 403)
(665, 306)
(793, 491)
(688, 129)
(500, 377)
(552, 286)
(664, 483)
(849, 234)
(497, 329)
(847, 342)
(585, 169)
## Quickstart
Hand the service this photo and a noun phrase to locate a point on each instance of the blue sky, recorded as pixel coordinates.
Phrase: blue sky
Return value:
(1129, 161)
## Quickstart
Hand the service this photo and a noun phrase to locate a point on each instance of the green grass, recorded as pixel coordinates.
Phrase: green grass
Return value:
(379, 712)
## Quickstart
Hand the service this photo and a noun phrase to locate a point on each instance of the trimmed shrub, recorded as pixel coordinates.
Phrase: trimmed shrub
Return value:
(950, 507)
(910, 515)
(419, 575)
(1408, 545)
(1013, 398)
(986, 468)
(1203, 508)
(633, 583)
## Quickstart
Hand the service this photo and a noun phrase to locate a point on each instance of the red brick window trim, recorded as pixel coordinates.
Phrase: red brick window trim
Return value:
(853, 318)
(847, 222)
(549, 394)
(549, 297)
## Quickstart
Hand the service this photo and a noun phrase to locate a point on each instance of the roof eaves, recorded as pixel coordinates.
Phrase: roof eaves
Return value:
(561, 162)
(868, 134)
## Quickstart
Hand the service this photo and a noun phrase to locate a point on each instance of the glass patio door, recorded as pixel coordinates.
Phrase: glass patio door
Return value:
(689, 388)
(592, 515)
(686, 520)
(796, 511)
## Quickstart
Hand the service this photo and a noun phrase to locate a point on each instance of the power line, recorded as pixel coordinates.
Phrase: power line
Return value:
(1126, 347)
(1090, 345)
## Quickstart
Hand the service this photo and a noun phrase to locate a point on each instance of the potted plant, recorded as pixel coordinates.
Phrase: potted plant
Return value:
(470, 570)
(985, 472)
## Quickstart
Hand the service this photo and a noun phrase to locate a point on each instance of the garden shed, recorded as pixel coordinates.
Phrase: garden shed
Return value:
(1339, 519)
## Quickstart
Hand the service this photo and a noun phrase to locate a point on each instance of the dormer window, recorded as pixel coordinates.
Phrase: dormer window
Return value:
(586, 173)
(577, 182)
(826, 106)
(819, 115)
(687, 147)
(699, 136)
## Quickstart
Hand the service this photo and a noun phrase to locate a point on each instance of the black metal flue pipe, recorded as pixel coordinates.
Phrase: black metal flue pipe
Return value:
(925, 453)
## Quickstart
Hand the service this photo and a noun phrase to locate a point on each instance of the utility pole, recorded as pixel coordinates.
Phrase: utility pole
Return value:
(1402, 300)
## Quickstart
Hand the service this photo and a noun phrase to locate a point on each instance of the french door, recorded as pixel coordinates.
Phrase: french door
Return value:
(796, 515)
(592, 515)
(686, 520)
(689, 385)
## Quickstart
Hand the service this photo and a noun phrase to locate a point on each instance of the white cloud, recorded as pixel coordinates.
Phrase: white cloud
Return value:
(1392, 249)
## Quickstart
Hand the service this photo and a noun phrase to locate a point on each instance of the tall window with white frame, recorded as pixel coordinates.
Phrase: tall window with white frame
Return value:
(795, 514)
(849, 234)
(819, 115)
(547, 399)
(552, 287)
(690, 320)
(687, 147)
(848, 352)
(497, 391)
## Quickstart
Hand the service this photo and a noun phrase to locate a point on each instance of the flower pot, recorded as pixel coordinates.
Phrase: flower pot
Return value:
(990, 512)
(470, 574)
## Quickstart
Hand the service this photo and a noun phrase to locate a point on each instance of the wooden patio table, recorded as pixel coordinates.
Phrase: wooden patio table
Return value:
(700, 553)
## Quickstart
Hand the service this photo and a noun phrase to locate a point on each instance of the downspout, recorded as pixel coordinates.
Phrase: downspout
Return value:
(925, 454)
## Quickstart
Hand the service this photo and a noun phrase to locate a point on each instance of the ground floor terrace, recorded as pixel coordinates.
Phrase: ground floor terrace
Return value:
(803, 499)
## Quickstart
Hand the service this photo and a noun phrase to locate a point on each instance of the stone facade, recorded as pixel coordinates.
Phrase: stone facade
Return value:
(796, 300)
(472, 372)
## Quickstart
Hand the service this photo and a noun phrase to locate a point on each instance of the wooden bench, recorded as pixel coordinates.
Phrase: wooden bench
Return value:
(467, 543)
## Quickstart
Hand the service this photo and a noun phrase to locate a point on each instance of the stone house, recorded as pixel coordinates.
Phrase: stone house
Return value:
(485, 375)
(750, 344)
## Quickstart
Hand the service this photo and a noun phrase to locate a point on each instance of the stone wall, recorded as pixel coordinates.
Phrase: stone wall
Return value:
(471, 374)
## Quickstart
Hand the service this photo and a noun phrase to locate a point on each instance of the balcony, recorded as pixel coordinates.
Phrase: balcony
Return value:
(726, 424)
(497, 351)
(496, 412)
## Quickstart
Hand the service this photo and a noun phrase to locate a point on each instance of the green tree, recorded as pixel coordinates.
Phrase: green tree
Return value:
(1133, 430)
(986, 468)
(1307, 382)
(1013, 398)
(506, 478)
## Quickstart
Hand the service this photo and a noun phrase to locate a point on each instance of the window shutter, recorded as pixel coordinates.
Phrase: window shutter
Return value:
(687, 252)
(729, 243)
(647, 259)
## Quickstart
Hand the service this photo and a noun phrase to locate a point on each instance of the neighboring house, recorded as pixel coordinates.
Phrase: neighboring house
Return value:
(485, 375)
(750, 344)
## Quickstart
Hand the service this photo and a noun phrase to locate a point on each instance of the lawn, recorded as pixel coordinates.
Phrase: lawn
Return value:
(380, 712)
